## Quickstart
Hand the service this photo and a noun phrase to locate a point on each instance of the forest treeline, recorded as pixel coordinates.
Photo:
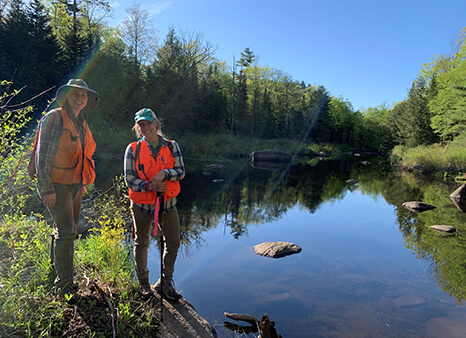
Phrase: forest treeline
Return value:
(44, 43)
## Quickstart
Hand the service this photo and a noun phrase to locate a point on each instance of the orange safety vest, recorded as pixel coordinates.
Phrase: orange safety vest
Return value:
(71, 165)
(147, 167)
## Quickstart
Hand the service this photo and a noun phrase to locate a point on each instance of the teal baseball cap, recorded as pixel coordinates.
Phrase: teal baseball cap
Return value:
(145, 114)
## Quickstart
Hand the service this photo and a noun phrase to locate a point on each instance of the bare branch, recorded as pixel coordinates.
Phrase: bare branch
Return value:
(196, 51)
(25, 102)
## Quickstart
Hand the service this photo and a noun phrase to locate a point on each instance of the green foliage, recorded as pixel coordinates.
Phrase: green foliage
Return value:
(16, 188)
(342, 120)
(105, 254)
(449, 104)
(411, 119)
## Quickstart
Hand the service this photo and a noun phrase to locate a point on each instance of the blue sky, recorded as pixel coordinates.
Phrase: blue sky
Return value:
(367, 52)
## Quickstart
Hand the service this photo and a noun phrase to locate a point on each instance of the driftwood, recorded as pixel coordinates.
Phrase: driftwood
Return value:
(265, 327)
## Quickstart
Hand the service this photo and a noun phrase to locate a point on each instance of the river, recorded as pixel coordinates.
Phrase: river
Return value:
(368, 267)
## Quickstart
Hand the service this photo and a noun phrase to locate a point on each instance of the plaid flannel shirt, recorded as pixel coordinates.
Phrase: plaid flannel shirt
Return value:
(50, 130)
(135, 183)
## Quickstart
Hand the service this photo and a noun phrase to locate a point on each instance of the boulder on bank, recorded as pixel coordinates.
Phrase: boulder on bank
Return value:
(416, 206)
(443, 228)
(276, 249)
(459, 193)
(269, 155)
(352, 181)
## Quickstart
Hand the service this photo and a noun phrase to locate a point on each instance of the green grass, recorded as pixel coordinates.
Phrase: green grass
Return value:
(435, 158)
(447, 160)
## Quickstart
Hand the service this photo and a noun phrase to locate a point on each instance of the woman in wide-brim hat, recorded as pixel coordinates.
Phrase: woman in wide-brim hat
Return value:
(63, 91)
(64, 166)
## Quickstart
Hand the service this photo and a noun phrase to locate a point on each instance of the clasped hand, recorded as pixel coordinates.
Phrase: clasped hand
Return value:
(158, 183)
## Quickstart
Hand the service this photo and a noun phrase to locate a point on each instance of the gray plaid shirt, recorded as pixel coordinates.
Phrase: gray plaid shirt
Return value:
(135, 183)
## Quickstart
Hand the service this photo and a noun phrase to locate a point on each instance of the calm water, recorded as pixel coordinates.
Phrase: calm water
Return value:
(368, 267)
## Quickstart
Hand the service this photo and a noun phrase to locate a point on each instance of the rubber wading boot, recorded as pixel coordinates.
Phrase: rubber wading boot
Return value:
(144, 289)
(168, 291)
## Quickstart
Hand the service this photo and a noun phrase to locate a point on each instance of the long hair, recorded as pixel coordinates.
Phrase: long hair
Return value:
(158, 127)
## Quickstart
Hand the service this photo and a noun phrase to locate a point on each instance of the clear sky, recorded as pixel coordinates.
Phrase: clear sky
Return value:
(366, 51)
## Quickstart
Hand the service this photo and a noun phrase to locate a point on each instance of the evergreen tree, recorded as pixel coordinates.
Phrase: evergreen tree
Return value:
(43, 68)
(247, 58)
(416, 119)
(28, 50)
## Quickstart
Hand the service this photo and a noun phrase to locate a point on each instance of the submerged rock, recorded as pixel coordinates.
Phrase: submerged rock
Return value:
(418, 206)
(276, 249)
(443, 228)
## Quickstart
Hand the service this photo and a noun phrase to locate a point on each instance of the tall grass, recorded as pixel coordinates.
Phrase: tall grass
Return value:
(433, 158)
(25, 304)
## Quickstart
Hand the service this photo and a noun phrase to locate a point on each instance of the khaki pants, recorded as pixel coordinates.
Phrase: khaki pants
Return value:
(171, 234)
(65, 214)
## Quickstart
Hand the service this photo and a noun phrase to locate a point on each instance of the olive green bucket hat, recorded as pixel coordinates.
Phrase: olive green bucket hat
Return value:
(92, 95)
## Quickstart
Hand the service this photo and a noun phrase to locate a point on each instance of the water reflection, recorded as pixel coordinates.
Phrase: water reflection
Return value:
(250, 196)
(356, 275)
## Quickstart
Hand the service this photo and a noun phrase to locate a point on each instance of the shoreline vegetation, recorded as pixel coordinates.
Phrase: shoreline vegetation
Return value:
(437, 160)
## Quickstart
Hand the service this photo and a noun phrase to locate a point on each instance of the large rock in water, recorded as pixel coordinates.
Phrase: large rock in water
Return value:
(418, 206)
(459, 203)
(443, 228)
(276, 249)
(269, 155)
(459, 193)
